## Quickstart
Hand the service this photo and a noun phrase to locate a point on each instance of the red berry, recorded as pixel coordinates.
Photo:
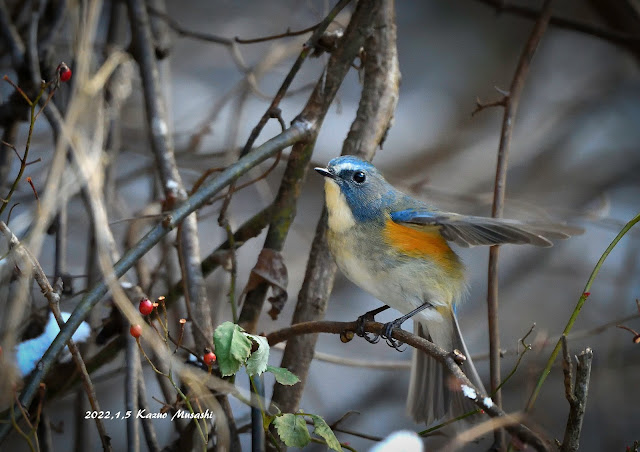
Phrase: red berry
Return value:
(209, 358)
(146, 306)
(64, 72)
(136, 331)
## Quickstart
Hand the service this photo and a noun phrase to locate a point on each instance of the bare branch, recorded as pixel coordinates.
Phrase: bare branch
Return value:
(298, 131)
(162, 146)
(510, 110)
(577, 396)
(53, 296)
(614, 36)
(445, 358)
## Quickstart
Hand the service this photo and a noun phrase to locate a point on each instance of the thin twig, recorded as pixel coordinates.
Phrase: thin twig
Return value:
(207, 37)
(613, 36)
(508, 119)
(132, 375)
(286, 34)
(147, 424)
(23, 160)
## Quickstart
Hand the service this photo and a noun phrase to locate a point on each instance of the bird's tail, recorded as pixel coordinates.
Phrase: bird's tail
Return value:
(433, 392)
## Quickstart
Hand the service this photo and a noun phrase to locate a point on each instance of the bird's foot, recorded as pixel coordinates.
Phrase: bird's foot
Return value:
(387, 332)
(372, 338)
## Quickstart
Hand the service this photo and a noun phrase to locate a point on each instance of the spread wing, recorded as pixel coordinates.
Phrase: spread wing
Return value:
(466, 230)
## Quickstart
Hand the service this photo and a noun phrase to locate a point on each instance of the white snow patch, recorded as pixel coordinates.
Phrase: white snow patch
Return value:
(159, 126)
(400, 441)
(469, 392)
(172, 185)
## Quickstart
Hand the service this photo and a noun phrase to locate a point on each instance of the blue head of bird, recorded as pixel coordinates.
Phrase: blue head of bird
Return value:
(356, 193)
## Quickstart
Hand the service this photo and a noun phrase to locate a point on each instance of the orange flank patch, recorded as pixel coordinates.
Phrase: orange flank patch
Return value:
(415, 243)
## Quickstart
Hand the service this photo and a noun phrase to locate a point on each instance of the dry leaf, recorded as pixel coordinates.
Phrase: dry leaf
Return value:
(270, 269)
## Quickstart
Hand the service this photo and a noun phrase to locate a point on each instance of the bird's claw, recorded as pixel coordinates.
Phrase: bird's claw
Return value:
(360, 331)
(386, 334)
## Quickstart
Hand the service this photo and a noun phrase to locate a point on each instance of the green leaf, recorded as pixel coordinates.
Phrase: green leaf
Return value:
(292, 430)
(283, 376)
(233, 347)
(257, 362)
(321, 428)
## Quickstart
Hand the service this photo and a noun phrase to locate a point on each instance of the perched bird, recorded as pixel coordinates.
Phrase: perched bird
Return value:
(397, 248)
(29, 352)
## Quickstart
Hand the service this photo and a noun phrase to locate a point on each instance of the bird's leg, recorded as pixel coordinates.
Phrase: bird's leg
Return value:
(369, 316)
(387, 330)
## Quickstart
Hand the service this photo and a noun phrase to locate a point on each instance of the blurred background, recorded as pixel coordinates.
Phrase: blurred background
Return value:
(574, 158)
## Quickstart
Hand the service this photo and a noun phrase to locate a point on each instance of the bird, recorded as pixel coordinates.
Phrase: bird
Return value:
(397, 248)
(30, 352)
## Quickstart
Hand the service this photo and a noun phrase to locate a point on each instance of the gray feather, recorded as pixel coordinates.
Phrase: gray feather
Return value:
(432, 395)
(467, 230)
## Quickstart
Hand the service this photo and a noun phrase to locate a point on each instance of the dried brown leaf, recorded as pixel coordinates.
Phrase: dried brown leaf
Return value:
(270, 269)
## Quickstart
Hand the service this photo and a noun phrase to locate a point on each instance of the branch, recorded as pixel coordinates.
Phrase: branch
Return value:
(320, 28)
(314, 112)
(162, 147)
(299, 130)
(374, 116)
(576, 396)
(11, 37)
(286, 83)
(510, 110)
(628, 40)
(447, 359)
(53, 296)
(286, 34)
(147, 424)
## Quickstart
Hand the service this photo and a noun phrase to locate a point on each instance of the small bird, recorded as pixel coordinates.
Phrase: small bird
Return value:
(29, 353)
(397, 248)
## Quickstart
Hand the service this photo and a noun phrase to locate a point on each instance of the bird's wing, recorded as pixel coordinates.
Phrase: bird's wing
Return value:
(467, 230)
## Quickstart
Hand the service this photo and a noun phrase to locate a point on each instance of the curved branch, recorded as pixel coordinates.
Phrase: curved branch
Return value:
(447, 359)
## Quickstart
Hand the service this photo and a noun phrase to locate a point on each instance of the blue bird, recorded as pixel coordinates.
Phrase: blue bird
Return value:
(397, 248)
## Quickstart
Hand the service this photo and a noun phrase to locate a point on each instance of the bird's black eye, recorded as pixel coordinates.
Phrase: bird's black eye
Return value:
(359, 177)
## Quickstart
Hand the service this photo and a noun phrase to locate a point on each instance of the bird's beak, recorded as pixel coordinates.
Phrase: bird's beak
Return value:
(325, 172)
